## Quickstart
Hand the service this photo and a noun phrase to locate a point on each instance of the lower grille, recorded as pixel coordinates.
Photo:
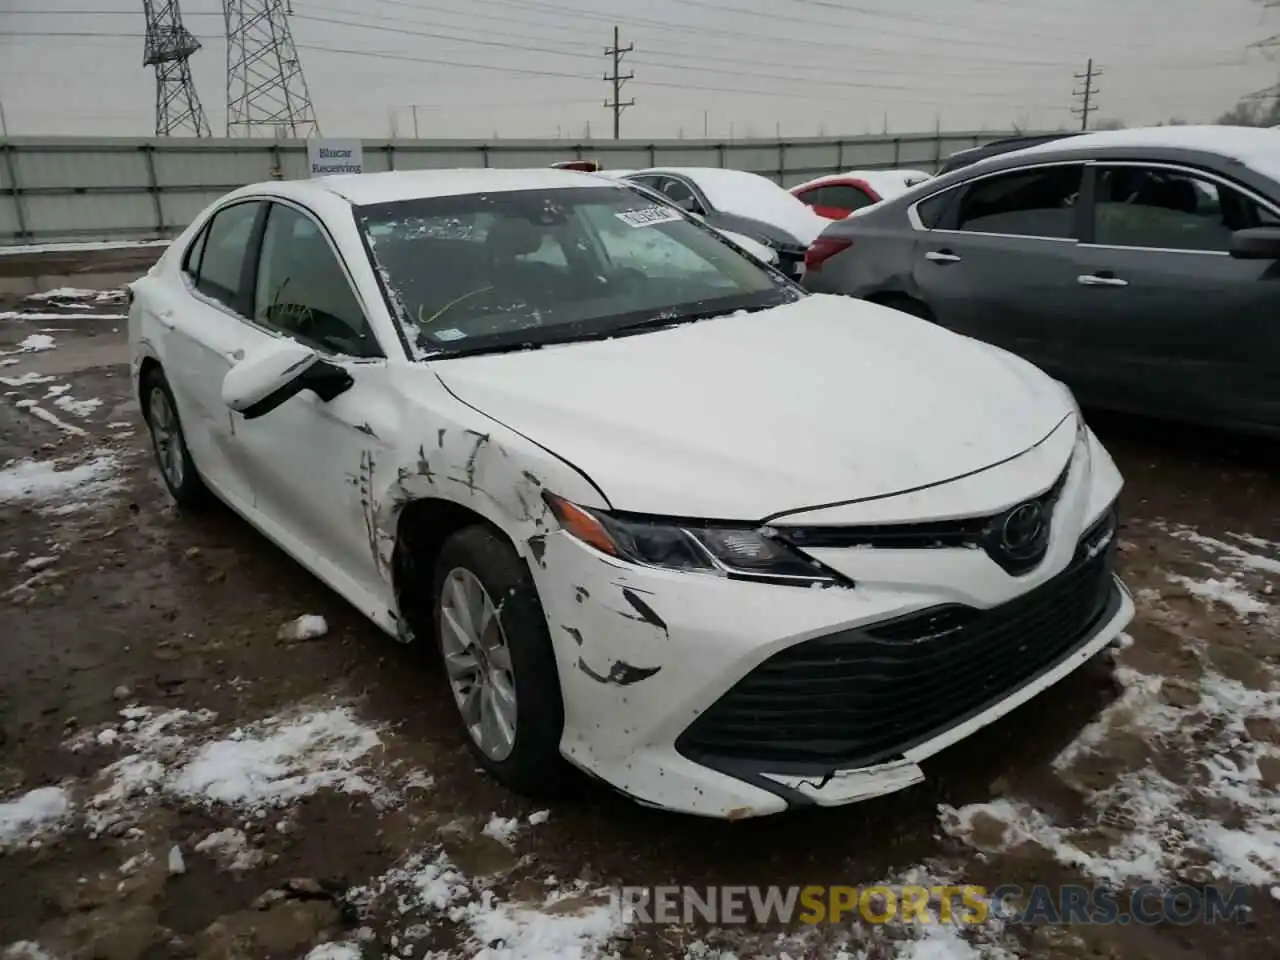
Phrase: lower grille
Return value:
(863, 696)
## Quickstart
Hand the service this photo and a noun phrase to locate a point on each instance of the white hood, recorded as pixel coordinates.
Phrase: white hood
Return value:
(821, 401)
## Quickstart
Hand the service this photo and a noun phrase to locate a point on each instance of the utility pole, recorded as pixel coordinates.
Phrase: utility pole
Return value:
(617, 52)
(1087, 104)
(415, 121)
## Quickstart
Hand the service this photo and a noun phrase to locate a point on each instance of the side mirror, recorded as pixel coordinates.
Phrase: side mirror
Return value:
(1256, 243)
(267, 378)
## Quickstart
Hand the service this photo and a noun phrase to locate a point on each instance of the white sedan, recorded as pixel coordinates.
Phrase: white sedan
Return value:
(730, 547)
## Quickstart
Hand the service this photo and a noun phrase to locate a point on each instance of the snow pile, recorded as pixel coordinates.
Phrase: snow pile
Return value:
(264, 765)
(280, 760)
(502, 829)
(231, 849)
(309, 626)
(335, 951)
(48, 480)
(35, 343)
(32, 815)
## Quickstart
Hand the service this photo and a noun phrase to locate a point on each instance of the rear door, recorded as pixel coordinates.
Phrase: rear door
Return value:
(1166, 321)
(204, 333)
(999, 256)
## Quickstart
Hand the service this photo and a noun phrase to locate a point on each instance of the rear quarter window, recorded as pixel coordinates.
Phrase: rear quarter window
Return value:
(931, 210)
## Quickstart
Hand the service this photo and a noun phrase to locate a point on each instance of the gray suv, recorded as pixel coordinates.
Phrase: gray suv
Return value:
(1141, 267)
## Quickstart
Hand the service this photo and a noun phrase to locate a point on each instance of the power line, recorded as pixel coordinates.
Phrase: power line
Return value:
(1086, 95)
(617, 79)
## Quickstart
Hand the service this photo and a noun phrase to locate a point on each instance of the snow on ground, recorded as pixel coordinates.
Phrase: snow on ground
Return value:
(26, 818)
(25, 950)
(230, 847)
(35, 342)
(1179, 774)
(1227, 591)
(502, 829)
(309, 626)
(62, 484)
(254, 768)
(40, 413)
(15, 250)
(25, 379)
(37, 317)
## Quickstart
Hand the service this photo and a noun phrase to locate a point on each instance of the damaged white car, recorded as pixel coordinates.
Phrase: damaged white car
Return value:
(725, 545)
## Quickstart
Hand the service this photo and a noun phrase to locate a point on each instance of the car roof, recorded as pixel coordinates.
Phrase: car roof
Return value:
(359, 189)
(1257, 148)
(1236, 143)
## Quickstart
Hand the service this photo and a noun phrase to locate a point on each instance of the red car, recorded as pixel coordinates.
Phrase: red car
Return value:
(837, 196)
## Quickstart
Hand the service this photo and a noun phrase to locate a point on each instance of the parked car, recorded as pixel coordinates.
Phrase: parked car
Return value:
(837, 196)
(1140, 266)
(742, 202)
(585, 166)
(994, 148)
(755, 248)
(565, 435)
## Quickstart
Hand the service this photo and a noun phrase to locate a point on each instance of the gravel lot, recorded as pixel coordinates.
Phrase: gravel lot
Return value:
(177, 780)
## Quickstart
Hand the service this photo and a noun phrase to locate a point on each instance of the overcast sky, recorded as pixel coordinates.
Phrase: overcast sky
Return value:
(532, 68)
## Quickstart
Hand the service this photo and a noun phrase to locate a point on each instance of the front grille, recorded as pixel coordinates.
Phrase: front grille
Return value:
(982, 533)
(863, 696)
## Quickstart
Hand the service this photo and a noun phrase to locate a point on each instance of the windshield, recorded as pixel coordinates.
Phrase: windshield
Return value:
(526, 268)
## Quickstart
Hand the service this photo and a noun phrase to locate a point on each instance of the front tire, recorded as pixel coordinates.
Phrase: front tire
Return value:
(169, 443)
(499, 661)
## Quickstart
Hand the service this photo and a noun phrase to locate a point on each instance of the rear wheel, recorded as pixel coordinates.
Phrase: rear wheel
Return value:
(499, 660)
(170, 443)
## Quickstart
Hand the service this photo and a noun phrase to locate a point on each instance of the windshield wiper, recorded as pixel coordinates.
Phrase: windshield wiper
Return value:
(669, 318)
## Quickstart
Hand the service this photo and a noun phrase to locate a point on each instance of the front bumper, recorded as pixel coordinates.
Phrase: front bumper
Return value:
(666, 675)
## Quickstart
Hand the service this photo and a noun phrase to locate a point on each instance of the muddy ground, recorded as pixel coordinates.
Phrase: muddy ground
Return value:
(131, 606)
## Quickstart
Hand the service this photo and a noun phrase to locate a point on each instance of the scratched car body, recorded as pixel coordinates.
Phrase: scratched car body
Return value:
(726, 545)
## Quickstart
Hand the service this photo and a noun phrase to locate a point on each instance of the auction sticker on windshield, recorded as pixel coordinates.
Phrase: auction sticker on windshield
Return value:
(647, 216)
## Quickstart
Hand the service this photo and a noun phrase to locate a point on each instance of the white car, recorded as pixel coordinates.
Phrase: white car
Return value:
(727, 546)
(742, 202)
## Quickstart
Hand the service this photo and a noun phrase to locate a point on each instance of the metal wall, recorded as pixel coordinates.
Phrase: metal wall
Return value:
(116, 188)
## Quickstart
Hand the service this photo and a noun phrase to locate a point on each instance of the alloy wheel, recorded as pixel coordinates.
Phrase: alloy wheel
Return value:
(477, 660)
(166, 437)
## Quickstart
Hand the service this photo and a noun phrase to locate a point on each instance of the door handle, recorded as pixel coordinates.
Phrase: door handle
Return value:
(942, 256)
(1094, 280)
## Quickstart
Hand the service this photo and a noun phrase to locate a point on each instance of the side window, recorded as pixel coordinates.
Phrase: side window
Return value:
(221, 263)
(191, 264)
(303, 291)
(1026, 203)
(811, 197)
(679, 193)
(845, 197)
(1169, 209)
(930, 211)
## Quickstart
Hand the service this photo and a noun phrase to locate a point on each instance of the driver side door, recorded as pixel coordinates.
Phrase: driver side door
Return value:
(312, 459)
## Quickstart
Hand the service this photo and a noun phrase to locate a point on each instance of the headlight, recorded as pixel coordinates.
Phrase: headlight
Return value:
(739, 553)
